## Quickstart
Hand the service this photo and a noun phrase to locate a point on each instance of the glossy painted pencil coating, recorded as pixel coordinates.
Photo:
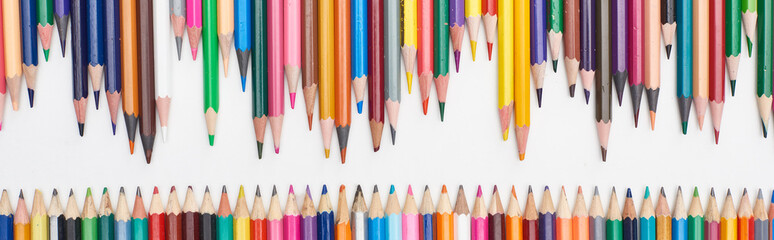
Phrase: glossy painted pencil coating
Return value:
(62, 18)
(112, 58)
(684, 60)
(555, 29)
(326, 72)
(127, 61)
(275, 87)
(392, 53)
(38, 218)
(29, 40)
(717, 76)
(733, 39)
(630, 221)
(13, 52)
(174, 218)
(424, 49)
(79, 52)
(260, 77)
(457, 28)
(505, 66)
(664, 217)
(571, 42)
(191, 217)
(341, 46)
(603, 80)
(563, 218)
(588, 61)
(668, 24)
(89, 222)
(444, 217)
(292, 45)
(309, 58)
(521, 87)
(243, 36)
(634, 54)
(224, 225)
(6, 217)
(325, 223)
(123, 223)
(426, 220)
(45, 20)
(258, 229)
(613, 224)
(156, 218)
(360, 54)
(728, 219)
(538, 44)
(177, 11)
(147, 76)
(21, 220)
(489, 10)
(550, 225)
(393, 223)
(618, 46)
(343, 231)
(377, 66)
(193, 22)
(647, 218)
(478, 218)
(651, 56)
(701, 59)
(291, 221)
(749, 19)
(409, 42)
(513, 220)
(225, 30)
(96, 39)
(764, 62)
(210, 61)
(462, 224)
(498, 222)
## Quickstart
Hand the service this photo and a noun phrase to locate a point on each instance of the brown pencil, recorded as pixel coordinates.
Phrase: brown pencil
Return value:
(496, 217)
(147, 76)
(309, 55)
(174, 226)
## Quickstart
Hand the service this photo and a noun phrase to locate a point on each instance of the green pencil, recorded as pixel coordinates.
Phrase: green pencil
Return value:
(225, 223)
(695, 218)
(733, 40)
(89, 226)
(555, 29)
(613, 226)
(45, 24)
(763, 89)
(441, 54)
(260, 76)
(211, 75)
(106, 221)
(749, 17)
(139, 218)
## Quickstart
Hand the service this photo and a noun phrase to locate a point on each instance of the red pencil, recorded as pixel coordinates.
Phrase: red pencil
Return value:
(156, 229)
(717, 86)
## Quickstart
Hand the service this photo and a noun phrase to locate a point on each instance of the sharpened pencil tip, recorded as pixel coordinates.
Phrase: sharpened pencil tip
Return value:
(223, 190)
(325, 189)
(376, 189)
(554, 63)
(258, 191)
(668, 50)
(392, 189)
(628, 192)
(274, 191)
(539, 93)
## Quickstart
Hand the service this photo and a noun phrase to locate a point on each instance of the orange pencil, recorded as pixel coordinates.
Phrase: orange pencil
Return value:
(21, 220)
(564, 219)
(513, 219)
(343, 231)
(343, 67)
(580, 217)
(444, 216)
(745, 220)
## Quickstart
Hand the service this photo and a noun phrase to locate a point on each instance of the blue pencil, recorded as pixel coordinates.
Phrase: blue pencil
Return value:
(547, 217)
(96, 39)
(243, 36)
(123, 226)
(426, 212)
(359, 50)
(113, 58)
(376, 222)
(647, 218)
(6, 217)
(393, 224)
(79, 50)
(629, 216)
(29, 28)
(325, 223)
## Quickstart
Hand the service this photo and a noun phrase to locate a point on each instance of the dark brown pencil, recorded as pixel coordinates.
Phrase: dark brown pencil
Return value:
(309, 56)
(147, 76)
(496, 217)
(190, 218)
(174, 227)
(603, 86)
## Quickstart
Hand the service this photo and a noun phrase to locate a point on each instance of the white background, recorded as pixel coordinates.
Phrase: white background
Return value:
(41, 148)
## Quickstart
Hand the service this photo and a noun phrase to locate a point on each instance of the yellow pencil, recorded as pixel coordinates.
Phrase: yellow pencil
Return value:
(728, 219)
(473, 21)
(505, 64)
(521, 70)
(241, 217)
(325, 75)
(225, 30)
(39, 217)
(409, 49)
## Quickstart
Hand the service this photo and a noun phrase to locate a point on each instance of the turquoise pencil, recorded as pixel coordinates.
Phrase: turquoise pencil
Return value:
(393, 219)
(647, 218)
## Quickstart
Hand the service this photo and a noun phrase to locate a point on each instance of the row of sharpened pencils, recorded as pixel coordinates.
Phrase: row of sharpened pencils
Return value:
(427, 222)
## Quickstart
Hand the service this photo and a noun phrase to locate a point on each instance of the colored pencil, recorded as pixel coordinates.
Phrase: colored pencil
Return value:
(326, 73)
(603, 78)
(341, 20)
(701, 58)
(668, 24)
(325, 224)
(6, 217)
(243, 36)
(733, 39)
(441, 53)
(513, 220)
(647, 218)
(29, 42)
(191, 217)
(207, 218)
(291, 19)
(45, 20)
(588, 61)
(174, 218)
(711, 218)
(147, 76)
(771, 213)
(62, 18)
(651, 56)
(241, 217)
(763, 77)
(749, 18)
(156, 217)
(259, 76)
(72, 216)
(225, 30)
(613, 225)
(343, 231)
(555, 29)
(457, 28)
(211, 82)
(393, 223)
(580, 217)
(3, 89)
(426, 220)
(664, 217)
(358, 218)
(376, 222)
(479, 219)
(128, 62)
(552, 226)
(112, 58)
(629, 215)
(38, 218)
(410, 47)
(425, 48)
(537, 50)
(634, 36)
(521, 76)
(462, 224)
(224, 225)
(530, 227)
(505, 66)
(571, 42)
(309, 57)
(193, 22)
(139, 218)
(163, 80)
(489, 11)
(123, 223)
(745, 217)
(79, 50)
(728, 219)
(761, 218)
(473, 20)
(21, 220)
(565, 226)
(618, 46)
(177, 12)
(684, 60)
(107, 222)
(291, 221)
(95, 17)
(444, 217)
(375, 59)
(679, 220)
(258, 216)
(89, 221)
(717, 76)
(391, 52)
(308, 217)
(410, 218)
(360, 63)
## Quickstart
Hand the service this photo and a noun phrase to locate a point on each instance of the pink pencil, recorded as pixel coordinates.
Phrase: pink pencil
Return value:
(478, 219)
(410, 217)
(292, 219)
(274, 220)
(425, 49)
(193, 18)
(292, 46)
(276, 88)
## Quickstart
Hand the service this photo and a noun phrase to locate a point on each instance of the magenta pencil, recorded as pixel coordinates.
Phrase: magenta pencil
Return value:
(479, 224)
(274, 220)
(457, 28)
(275, 86)
(193, 18)
(292, 218)
(634, 50)
(292, 48)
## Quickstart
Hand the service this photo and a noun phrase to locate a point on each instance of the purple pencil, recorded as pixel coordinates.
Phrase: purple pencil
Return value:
(618, 46)
(537, 35)
(457, 26)
(62, 18)
(588, 62)
(308, 218)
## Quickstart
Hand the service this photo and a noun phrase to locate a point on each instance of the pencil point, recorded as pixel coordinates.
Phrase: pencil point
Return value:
(763, 126)
(410, 191)
(309, 120)
(80, 129)
(179, 45)
(392, 189)
(717, 135)
(96, 99)
(343, 155)
(572, 90)
(276, 150)
(291, 192)
(505, 134)
(244, 82)
(308, 192)
(325, 189)
(712, 192)
(489, 49)
(442, 107)
(212, 139)
(733, 87)
(652, 120)
(293, 101)
(539, 92)
(114, 128)
(260, 149)
(554, 63)
(424, 106)
(628, 192)
(392, 134)
(71, 192)
(685, 128)
(586, 94)
(530, 189)
(45, 53)
(457, 60)
(522, 156)
(749, 47)
(274, 191)
(604, 154)
(31, 94)
(669, 50)
(409, 78)
(193, 53)
(479, 193)
(360, 107)
(207, 189)
(636, 119)
(155, 191)
(327, 153)
(473, 49)
(138, 193)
